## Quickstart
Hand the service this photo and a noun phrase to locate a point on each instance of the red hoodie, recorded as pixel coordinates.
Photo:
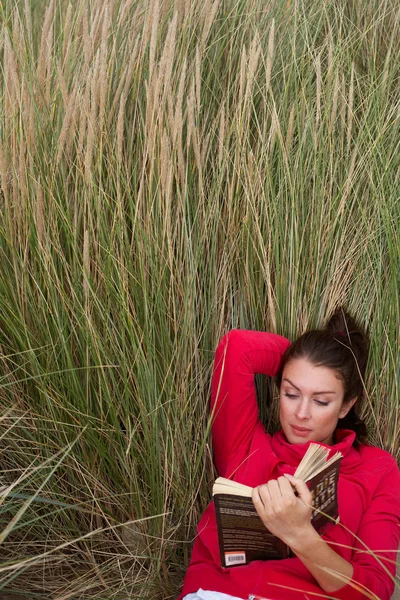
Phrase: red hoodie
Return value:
(368, 489)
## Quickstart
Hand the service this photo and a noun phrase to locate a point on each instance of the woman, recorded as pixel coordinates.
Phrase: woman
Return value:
(320, 377)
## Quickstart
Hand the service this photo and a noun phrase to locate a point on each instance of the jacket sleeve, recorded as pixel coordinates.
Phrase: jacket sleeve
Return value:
(239, 356)
(375, 550)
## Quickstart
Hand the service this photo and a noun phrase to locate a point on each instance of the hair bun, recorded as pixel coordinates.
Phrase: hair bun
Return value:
(341, 325)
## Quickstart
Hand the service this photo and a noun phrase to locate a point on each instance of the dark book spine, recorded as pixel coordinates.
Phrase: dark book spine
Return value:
(325, 504)
(242, 535)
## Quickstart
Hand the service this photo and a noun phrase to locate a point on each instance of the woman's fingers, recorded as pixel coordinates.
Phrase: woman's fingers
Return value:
(285, 487)
(281, 491)
(278, 507)
(301, 488)
(273, 489)
(261, 495)
(259, 501)
(273, 494)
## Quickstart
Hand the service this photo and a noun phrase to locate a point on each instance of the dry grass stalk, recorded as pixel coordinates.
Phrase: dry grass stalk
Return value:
(117, 96)
(83, 117)
(86, 266)
(16, 205)
(19, 37)
(209, 20)
(265, 252)
(334, 103)
(319, 87)
(250, 170)
(165, 178)
(153, 85)
(243, 63)
(40, 212)
(152, 114)
(76, 106)
(330, 61)
(120, 128)
(178, 118)
(87, 45)
(149, 108)
(92, 120)
(349, 182)
(169, 117)
(159, 83)
(46, 38)
(148, 22)
(198, 77)
(343, 108)
(180, 9)
(221, 135)
(193, 133)
(123, 12)
(103, 67)
(350, 108)
(204, 146)
(386, 68)
(22, 173)
(49, 65)
(66, 129)
(167, 56)
(255, 51)
(277, 131)
(28, 23)
(67, 34)
(7, 83)
(62, 85)
(178, 123)
(270, 56)
(12, 85)
(97, 23)
(190, 117)
(125, 81)
(254, 56)
(28, 118)
(189, 7)
(273, 131)
(153, 39)
(4, 176)
(289, 134)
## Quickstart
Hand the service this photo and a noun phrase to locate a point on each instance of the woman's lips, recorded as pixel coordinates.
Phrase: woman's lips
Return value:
(301, 431)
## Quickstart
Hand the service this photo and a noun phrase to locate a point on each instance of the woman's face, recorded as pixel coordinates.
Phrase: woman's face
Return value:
(311, 402)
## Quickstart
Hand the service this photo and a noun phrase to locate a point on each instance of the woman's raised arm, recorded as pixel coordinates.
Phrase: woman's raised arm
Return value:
(240, 354)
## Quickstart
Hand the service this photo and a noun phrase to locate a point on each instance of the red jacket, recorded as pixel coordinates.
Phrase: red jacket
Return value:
(368, 489)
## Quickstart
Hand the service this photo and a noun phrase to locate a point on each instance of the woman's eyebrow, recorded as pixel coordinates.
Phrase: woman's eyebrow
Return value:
(295, 386)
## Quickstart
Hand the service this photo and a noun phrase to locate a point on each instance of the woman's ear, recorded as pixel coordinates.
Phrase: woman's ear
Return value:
(346, 407)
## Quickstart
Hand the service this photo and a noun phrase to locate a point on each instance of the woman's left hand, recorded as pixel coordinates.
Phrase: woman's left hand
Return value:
(283, 513)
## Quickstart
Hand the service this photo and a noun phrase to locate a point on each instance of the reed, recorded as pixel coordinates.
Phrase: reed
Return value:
(168, 171)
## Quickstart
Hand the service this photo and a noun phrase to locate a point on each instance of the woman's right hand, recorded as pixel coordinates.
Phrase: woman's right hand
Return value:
(285, 514)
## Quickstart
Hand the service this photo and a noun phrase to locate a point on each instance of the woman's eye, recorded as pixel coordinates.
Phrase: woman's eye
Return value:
(291, 396)
(322, 403)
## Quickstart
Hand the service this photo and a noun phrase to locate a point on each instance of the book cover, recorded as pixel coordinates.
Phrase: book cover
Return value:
(243, 536)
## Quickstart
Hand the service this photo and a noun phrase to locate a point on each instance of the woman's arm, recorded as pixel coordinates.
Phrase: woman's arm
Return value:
(378, 538)
(372, 566)
(239, 356)
(288, 517)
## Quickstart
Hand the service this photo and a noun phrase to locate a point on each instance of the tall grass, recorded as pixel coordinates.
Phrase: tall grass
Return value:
(170, 170)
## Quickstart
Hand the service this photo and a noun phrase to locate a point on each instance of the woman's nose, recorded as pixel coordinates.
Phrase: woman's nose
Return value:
(303, 411)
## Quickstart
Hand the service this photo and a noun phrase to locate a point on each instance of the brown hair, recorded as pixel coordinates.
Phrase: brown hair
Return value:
(342, 346)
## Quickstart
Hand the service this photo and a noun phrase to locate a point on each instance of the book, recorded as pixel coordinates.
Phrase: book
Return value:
(242, 535)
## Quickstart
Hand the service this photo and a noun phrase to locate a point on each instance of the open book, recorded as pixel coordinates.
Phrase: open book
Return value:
(242, 535)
